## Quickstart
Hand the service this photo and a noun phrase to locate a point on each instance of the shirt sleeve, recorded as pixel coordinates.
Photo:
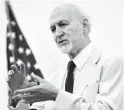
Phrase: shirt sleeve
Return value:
(20, 106)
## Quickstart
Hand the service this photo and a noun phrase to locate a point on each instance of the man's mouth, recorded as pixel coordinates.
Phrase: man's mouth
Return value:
(62, 42)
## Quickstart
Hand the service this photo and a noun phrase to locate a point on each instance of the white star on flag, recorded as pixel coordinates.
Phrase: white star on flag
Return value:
(9, 34)
(36, 66)
(13, 35)
(11, 59)
(20, 37)
(11, 46)
(13, 23)
(19, 62)
(28, 77)
(20, 50)
(28, 64)
(28, 51)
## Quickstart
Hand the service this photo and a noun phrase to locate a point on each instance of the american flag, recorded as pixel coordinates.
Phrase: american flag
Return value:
(17, 47)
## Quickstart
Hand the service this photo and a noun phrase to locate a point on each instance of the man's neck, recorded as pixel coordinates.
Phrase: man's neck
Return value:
(73, 55)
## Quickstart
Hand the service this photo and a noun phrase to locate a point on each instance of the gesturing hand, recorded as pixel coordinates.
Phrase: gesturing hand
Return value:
(42, 92)
(17, 78)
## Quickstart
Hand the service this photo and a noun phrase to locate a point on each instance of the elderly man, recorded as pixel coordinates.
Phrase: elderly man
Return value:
(91, 81)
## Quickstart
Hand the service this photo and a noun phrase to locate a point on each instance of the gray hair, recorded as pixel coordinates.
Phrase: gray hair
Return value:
(82, 17)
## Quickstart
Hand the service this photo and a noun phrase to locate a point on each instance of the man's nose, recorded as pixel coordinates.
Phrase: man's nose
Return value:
(59, 32)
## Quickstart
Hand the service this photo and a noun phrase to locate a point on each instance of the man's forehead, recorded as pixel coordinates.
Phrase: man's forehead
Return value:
(60, 12)
(58, 19)
(67, 11)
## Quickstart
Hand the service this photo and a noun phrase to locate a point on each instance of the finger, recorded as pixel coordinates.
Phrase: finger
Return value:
(33, 100)
(31, 84)
(14, 68)
(17, 97)
(8, 78)
(24, 96)
(37, 96)
(22, 68)
(37, 78)
(20, 96)
(10, 73)
(29, 96)
(26, 90)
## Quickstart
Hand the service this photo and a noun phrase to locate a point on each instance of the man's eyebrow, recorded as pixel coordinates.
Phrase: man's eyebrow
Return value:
(51, 26)
(60, 21)
(63, 21)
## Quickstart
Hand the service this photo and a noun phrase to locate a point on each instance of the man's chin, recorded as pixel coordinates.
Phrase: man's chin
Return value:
(66, 49)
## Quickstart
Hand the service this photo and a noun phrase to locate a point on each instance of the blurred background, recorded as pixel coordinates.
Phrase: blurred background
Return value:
(107, 20)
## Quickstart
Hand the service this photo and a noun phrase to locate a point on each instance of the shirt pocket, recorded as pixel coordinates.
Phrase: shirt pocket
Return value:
(90, 92)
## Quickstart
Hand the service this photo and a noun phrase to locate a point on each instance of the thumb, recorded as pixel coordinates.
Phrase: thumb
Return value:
(36, 78)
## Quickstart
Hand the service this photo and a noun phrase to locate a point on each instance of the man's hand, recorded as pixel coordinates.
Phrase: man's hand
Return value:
(42, 92)
(17, 78)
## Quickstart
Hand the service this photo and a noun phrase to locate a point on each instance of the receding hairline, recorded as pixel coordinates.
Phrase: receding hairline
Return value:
(73, 8)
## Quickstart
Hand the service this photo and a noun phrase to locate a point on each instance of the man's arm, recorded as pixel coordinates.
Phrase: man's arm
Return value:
(109, 97)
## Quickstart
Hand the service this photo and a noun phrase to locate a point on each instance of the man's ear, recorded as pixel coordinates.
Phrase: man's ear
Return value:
(86, 26)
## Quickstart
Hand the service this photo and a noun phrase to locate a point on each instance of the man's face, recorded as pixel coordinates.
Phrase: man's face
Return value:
(67, 31)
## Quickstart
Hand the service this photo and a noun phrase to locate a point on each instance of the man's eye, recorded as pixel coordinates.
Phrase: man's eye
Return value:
(62, 24)
(53, 29)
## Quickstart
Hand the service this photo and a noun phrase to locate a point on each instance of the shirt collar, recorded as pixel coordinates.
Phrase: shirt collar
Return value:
(81, 58)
